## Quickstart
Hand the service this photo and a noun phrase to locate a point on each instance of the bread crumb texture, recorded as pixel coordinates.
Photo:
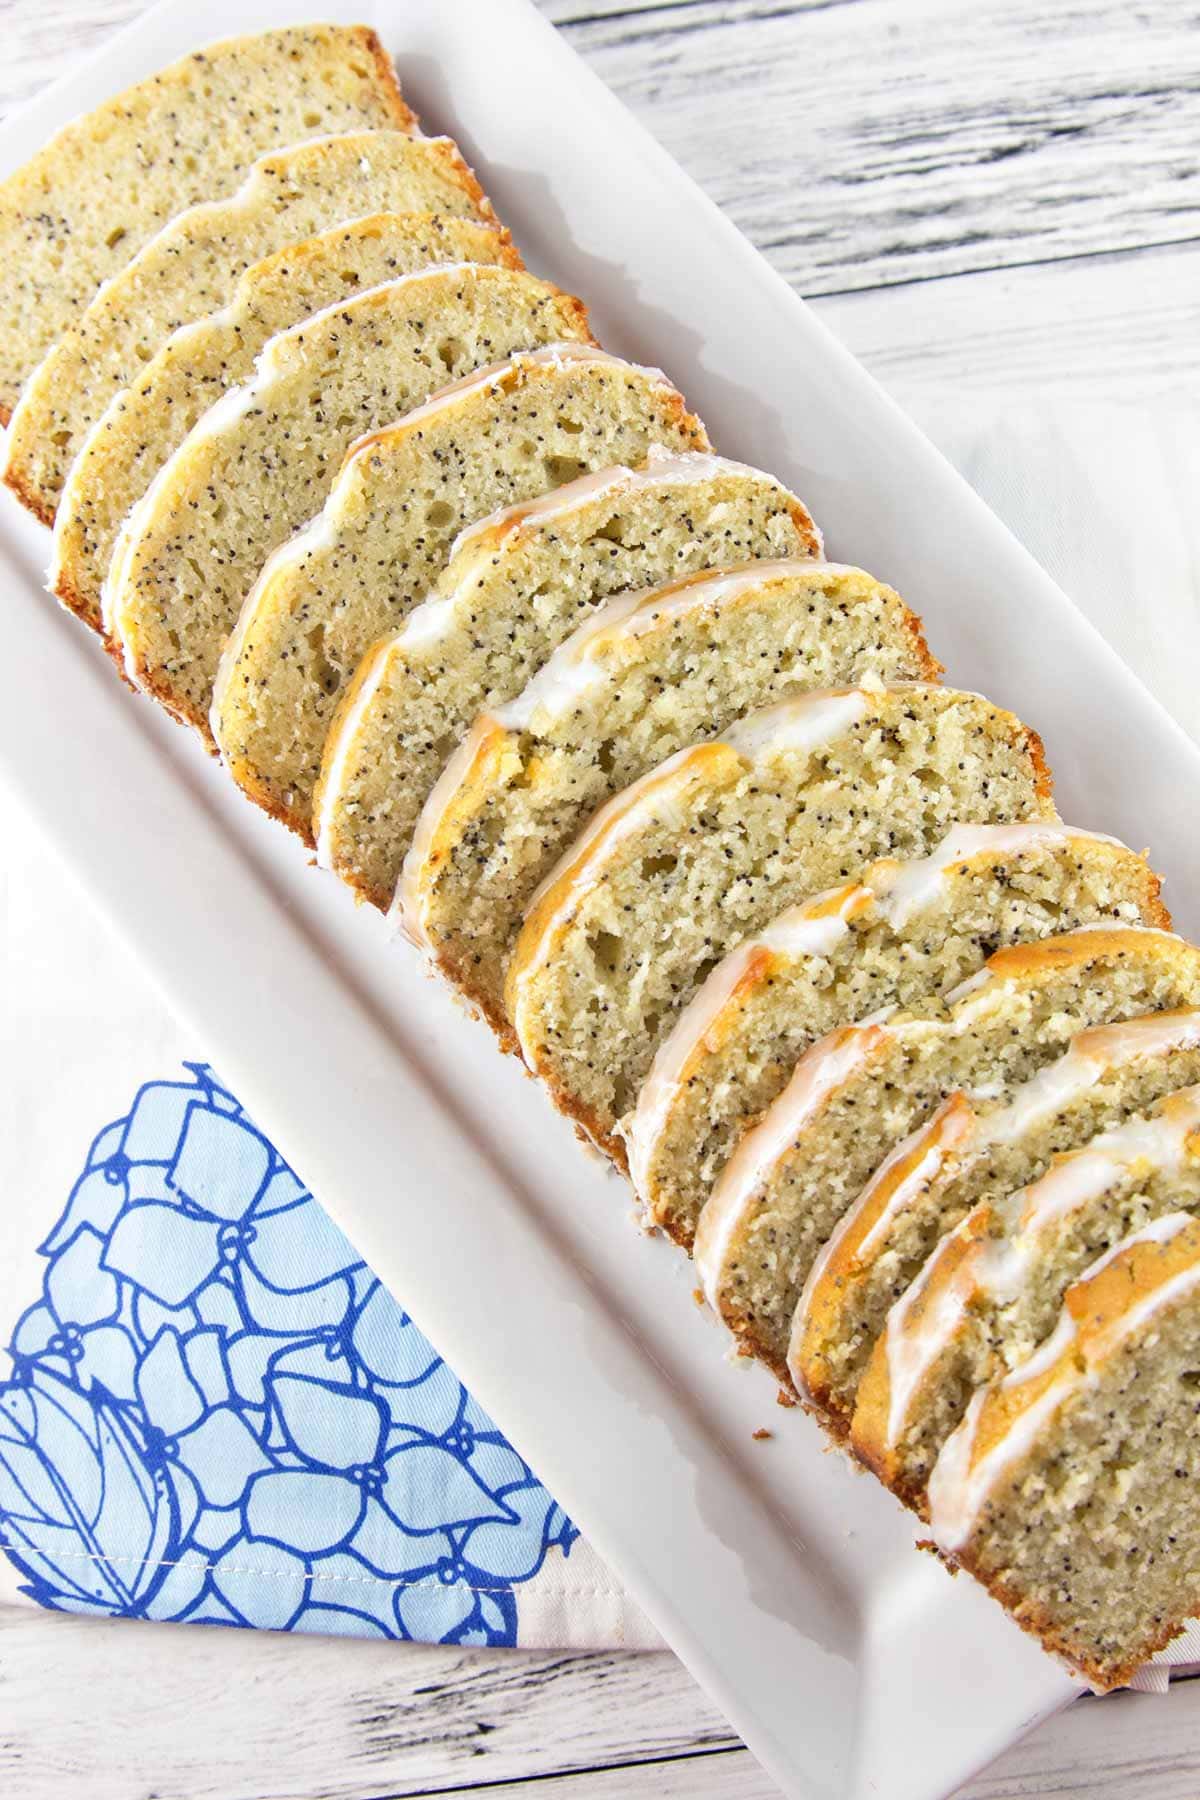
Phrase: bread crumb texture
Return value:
(77, 211)
(381, 545)
(145, 422)
(261, 462)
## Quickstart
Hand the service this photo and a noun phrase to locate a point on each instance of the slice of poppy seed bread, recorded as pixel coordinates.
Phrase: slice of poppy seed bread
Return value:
(992, 1289)
(386, 533)
(949, 1166)
(690, 858)
(1095, 1437)
(147, 421)
(641, 679)
(77, 211)
(901, 935)
(516, 585)
(858, 1093)
(262, 459)
(191, 266)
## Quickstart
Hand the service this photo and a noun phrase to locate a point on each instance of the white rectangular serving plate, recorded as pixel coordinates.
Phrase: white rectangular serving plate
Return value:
(853, 1666)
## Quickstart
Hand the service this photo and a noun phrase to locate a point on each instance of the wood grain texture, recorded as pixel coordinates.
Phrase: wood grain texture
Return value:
(98, 1709)
(862, 142)
(1120, 328)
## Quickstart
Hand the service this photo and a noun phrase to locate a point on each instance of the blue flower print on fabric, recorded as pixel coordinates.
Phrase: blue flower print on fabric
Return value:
(216, 1413)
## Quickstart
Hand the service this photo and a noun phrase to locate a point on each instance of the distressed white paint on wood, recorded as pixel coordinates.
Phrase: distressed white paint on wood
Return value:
(869, 141)
(1119, 328)
(942, 137)
(117, 1710)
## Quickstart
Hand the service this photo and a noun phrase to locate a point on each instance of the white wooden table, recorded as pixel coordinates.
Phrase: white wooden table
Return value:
(979, 195)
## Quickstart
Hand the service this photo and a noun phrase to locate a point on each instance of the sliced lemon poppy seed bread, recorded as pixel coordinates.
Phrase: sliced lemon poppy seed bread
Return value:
(262, 459)
(855, 1095)
(689, 859)
(967, 1151)
(516, 585)
(902, 934)
(1069, 1489)
(992, 1288)
(78, 210)
(644, 677)
(147, 421)
(386, 533)
(190, 267)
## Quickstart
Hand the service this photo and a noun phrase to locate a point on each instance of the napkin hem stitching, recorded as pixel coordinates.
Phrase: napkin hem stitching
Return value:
(184, 1562)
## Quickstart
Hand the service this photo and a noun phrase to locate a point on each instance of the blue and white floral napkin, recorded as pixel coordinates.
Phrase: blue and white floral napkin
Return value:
(210, 1410)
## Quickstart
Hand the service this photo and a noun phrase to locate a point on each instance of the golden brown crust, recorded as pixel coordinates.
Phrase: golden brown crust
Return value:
(805, 528)
(759, 971)
(30, 497)
(403, 116)
(1043, 778)
(824, 1314)
(151, 682)
(470, 181)
(930, 668)
(592, 846)
(1097, 1304)
(481, 753)
(870, 1435)
(82, 605)
(1153, 905)
(1075, 949)
(264, 797)
(1102, 1678)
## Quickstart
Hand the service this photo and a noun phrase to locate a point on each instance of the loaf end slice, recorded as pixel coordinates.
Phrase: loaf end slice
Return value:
(1095, 1438)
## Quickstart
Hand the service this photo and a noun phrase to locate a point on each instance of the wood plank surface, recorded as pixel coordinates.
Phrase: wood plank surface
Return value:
(1118, 328)
(123, 1711)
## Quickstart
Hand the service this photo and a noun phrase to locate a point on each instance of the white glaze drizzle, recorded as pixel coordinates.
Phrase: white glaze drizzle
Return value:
(336, 759)
(815, 928)
(431, 621)
(800, 930)
(1000, 1264)
(579, 663)
(818, 1073)
(321, 532)
(805, 723)
(996, 980)
(918, 882)
(662, 467)
(278, 355)
(959, 1486)
(935, 1140)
